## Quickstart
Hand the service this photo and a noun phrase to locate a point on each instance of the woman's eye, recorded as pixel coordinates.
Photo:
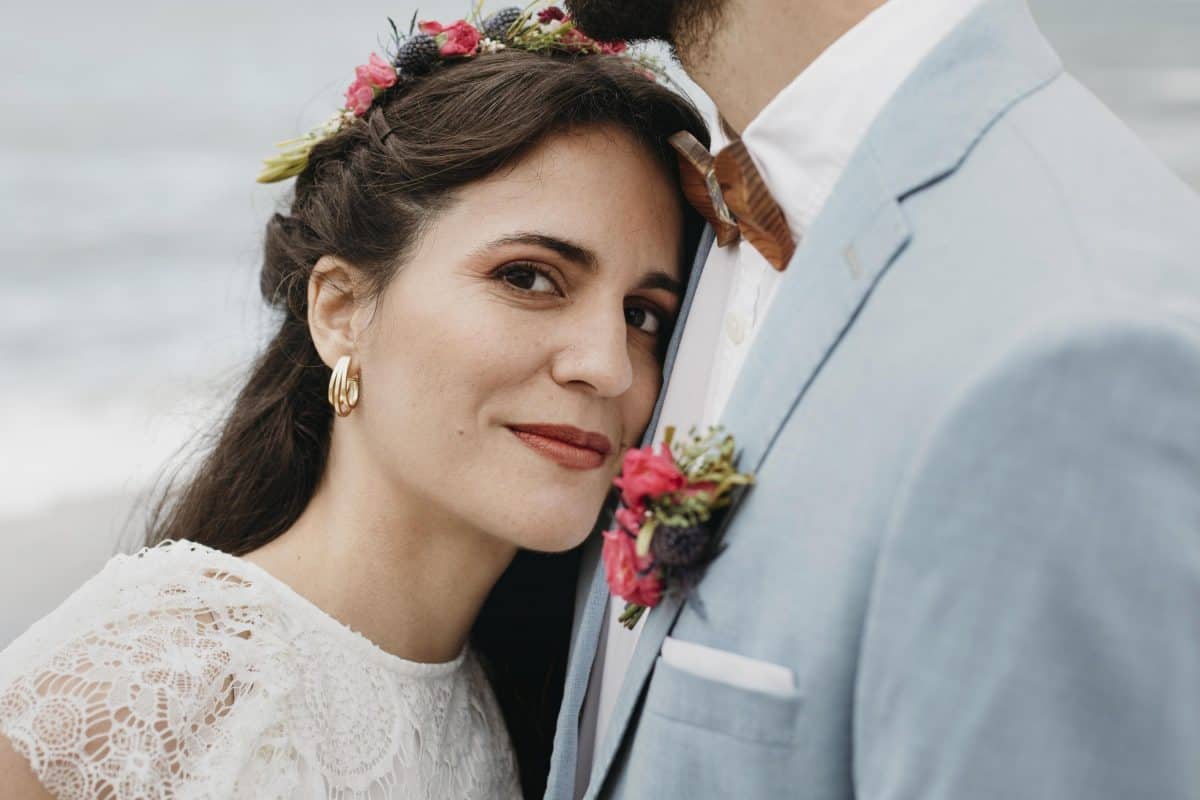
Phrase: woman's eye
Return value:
(644, 320)
(528, 279)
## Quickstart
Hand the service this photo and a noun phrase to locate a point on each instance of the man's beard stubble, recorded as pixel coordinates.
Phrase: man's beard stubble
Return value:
(686, 25)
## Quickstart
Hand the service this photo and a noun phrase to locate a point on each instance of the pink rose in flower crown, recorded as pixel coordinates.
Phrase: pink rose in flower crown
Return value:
(645, 473)
(623, 571)
(377, 72)
(359, 97)
(612, 48)
(459, 39)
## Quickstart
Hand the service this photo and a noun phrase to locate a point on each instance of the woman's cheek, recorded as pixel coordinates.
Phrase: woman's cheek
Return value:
(641, 398)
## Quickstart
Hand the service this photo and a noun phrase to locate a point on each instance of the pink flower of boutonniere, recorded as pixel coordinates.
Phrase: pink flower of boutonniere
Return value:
(667, 521)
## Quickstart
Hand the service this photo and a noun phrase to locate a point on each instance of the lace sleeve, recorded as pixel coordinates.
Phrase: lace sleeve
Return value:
(123, 690)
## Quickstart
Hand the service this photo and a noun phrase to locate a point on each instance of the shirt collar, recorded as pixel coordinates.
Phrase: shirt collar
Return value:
(803, 139)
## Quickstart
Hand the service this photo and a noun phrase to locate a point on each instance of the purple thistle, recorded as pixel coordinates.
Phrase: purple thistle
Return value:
(417, 55)
(496, 26)
(679, 546)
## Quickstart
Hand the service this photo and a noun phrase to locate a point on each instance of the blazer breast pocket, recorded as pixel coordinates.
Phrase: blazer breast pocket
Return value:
(747, 714)
(705, 739)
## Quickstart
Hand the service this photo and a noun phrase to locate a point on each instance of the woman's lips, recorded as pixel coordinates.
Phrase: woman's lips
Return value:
(565, 445)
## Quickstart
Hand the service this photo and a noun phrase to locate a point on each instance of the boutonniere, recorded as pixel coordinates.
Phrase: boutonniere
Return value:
(666, 523)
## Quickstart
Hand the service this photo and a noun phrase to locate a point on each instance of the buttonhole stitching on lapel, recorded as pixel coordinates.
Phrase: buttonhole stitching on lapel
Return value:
(856, 270)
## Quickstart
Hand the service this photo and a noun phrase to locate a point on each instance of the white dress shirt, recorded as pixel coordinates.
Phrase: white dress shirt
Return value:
(801, 142)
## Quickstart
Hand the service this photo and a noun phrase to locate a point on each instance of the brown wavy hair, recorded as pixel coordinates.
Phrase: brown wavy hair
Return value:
(366, 196)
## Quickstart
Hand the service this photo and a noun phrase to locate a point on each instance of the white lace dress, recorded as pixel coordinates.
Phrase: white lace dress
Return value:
(183, 672)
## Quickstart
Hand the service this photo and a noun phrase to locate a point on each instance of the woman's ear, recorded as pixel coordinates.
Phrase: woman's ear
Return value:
(335, 308)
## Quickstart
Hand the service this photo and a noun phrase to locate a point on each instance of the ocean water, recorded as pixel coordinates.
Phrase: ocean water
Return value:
(131, 222)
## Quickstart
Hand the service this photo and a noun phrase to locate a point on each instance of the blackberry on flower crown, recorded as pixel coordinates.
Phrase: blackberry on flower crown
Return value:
(430, 45)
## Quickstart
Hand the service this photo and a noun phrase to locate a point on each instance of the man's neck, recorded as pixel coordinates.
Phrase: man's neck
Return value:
(757, 47)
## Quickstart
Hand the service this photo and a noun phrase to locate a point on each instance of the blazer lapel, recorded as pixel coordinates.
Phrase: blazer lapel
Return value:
(992, 60)
(834, 273)
(989, 62)
(589, 615)
(814, 305)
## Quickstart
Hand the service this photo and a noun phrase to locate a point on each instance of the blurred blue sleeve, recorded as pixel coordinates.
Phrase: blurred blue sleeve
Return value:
(1034, 629)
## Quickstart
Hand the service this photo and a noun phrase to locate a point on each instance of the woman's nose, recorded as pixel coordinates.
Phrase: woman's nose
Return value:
(595, 352)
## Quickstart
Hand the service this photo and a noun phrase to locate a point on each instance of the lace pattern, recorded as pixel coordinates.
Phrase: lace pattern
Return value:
(183, 672)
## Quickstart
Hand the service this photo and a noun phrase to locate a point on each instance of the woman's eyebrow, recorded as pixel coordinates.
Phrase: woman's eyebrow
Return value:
(581, 256)
(661, 280)
(575, 253)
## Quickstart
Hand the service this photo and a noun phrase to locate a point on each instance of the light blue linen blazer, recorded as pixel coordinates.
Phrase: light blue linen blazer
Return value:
(974, 413)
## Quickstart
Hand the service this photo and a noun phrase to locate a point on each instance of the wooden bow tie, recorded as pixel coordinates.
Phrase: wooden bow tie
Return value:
(728, 192)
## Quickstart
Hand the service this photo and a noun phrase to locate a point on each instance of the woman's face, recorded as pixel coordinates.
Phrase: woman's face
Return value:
(517, 353)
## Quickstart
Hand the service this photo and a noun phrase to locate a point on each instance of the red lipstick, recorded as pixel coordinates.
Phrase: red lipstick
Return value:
(565, 445)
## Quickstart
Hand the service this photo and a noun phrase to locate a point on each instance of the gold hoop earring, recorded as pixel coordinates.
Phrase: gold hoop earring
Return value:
(343, 390)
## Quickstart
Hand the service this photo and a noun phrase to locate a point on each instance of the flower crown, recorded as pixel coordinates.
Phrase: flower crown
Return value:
(430, 44)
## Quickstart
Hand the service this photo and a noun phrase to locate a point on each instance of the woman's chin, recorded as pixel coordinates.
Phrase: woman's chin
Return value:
(554, 537)
(554, 514)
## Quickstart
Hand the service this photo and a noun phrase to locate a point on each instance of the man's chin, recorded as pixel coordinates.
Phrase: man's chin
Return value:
(624, 20)
(687, 25)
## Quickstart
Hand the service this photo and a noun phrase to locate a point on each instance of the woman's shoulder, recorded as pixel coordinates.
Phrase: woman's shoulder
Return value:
(170, 666)
(168, 588)
(109, 683)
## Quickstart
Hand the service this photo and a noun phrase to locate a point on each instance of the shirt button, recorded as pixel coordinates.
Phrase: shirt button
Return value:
(735, 327)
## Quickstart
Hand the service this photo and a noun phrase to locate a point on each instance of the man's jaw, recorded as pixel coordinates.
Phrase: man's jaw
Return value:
(624, 20)
(740, 52)
(703, 35)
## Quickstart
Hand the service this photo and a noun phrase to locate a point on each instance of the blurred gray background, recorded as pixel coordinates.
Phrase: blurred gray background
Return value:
(132, 132)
